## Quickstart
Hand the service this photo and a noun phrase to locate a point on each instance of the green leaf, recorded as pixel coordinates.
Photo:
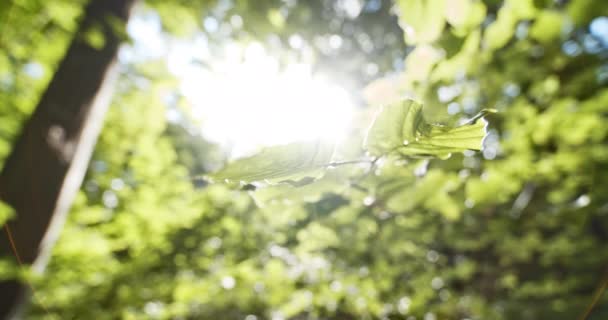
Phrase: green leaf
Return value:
(462, 62)
(548, 26)
(386, 132)
(422, 20)
(95, 37)
(431, 192)
(6, 212)
(291, 162)
(465, 15)
(401, 128)
(333, 181)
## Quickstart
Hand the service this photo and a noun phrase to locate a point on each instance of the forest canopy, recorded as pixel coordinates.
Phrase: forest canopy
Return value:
(291, 159)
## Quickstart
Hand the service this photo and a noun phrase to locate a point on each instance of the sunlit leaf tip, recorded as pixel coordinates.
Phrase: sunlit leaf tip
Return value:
(481, 114)
(401, 129)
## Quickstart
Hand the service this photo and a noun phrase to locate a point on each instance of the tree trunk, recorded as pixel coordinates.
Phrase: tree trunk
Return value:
(46, 166)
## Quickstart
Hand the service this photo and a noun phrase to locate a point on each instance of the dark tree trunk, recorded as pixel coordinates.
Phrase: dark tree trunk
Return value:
(49, 159)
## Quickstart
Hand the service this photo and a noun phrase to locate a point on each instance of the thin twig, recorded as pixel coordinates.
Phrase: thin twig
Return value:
(341, 163)
(372, 165)
(596, 297)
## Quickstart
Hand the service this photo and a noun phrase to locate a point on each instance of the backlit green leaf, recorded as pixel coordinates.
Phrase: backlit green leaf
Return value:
(291, 162)
(422, 20)
(401, 128)
(331, 182)
(464, 15)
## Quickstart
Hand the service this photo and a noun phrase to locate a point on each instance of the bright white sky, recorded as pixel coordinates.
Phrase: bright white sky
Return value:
(242, 97)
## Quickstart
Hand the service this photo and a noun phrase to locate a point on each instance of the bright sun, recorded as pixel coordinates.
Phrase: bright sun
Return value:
(242, 96)
(246, 101)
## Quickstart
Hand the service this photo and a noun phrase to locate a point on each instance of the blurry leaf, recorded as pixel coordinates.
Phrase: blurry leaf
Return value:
(432, 192)
(316, 237)
(496, 187)
(291, 162)
(331, 182)
(420, 62)
(298, 302)
(522, 9)
(94, 37)
(118, 28)
(450, 43)
(422, 20)
(275, 17)
(401, 128)
(547, 27)
(465, 15)
(501, 30)
(63, 14)
(6, 212)
(444, 204)
(583, 11)
(460, 62)
(9, 269)
(176, 18)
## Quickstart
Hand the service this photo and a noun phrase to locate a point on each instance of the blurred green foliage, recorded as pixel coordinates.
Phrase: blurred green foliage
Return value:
(517, 231)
